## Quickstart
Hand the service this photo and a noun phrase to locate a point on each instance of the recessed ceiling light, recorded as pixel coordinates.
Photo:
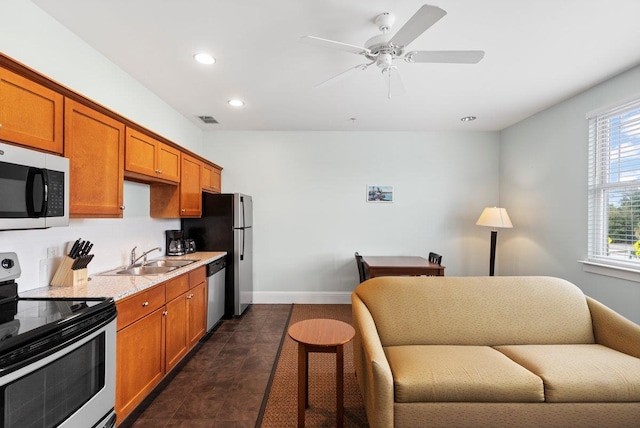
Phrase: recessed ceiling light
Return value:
(468, 118)
(235, 102)
(204, 58)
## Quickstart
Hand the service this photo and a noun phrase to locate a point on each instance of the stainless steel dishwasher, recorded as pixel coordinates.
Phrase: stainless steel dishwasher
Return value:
(215, 284)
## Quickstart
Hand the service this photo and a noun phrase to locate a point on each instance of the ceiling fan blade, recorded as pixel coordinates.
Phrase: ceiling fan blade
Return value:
(424, 18)
(393, 82)
(458, 57)
(332, 44)
(342, 75)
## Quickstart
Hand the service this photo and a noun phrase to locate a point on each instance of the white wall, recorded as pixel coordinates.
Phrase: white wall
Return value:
(113, 239)
(543, 185)
(310, 213)
(32, 37)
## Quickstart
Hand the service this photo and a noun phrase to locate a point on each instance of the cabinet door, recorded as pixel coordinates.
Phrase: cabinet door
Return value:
(197, 298)
(140, 361)
(150, 158)
(176, 339)
(94, 144)
(140, 153)
(30, 114)
(190, 188)
(168, 163)
(211, 179)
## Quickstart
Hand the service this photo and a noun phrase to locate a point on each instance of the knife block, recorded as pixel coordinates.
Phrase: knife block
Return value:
(67, 277)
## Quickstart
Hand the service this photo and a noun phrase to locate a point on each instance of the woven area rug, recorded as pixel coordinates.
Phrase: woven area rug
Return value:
(281, 406)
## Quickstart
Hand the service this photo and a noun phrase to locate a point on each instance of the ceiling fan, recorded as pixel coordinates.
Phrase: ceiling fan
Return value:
(383, 49)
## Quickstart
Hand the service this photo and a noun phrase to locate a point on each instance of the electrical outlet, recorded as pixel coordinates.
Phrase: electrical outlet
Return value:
(52, 252)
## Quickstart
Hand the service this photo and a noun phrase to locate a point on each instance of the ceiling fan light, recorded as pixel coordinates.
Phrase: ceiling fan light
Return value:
(236, 102)
(204, 58)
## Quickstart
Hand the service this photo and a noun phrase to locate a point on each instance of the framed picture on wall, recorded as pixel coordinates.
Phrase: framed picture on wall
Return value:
(378, 193)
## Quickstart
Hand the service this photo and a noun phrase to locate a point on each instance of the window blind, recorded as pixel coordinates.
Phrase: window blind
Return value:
(614, 185)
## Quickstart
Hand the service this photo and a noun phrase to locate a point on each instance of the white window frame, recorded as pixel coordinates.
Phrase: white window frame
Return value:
(606, 130)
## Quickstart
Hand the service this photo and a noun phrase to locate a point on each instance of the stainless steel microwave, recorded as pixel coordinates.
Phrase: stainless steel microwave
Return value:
(34, 189)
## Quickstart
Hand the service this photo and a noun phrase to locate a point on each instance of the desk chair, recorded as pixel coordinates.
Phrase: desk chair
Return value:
(361, 269)
(435, 258)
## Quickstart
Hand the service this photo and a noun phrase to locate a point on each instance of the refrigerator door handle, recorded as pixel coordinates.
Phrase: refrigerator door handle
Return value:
(244, 222)
(242, 251)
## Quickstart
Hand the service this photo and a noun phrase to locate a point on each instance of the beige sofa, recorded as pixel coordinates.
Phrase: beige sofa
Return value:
(493, 352)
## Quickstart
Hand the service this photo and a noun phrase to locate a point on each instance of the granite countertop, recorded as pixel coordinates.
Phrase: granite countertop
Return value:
(121, 286)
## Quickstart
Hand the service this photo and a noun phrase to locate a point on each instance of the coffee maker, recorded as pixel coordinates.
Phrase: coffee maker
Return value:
(174, 242)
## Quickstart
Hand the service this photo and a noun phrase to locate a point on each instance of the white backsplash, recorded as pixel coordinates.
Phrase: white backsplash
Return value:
(39, 251)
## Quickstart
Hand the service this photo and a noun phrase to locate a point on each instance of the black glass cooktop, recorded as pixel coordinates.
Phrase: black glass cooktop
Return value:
(22, 316)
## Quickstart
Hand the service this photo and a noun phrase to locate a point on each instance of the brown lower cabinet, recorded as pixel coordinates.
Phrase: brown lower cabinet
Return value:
(157, 327)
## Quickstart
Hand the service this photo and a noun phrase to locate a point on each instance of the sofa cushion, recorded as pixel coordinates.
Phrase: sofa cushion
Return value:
(459, 374)
(476, 311)
(580, 373)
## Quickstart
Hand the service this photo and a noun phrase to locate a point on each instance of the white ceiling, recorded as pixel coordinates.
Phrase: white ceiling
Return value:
(537, 54)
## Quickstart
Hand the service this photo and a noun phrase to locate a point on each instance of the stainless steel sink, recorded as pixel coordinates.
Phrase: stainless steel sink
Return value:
(169, 263)
(152, 267)
(146, 270)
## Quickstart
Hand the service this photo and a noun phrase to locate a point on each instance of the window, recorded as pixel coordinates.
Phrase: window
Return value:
(614, 185)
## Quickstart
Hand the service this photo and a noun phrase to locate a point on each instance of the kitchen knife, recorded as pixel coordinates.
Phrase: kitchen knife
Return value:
(88, 259)
(88, 249)
(83, 250)
(76, 254)
(74, 248)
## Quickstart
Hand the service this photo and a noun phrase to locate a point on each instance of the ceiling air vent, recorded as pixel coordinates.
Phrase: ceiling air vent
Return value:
(208, 119)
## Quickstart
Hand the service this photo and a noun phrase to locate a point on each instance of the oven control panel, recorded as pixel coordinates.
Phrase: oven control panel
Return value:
(9, 267)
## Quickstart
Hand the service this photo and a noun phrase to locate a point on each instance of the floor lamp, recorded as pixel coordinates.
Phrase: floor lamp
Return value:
(494, 217)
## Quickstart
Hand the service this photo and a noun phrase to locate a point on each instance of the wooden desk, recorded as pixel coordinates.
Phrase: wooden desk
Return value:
(320, 335)
(401, 266)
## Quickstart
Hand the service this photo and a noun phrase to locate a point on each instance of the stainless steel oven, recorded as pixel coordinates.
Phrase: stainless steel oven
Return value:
(34, 189)
(57, 358)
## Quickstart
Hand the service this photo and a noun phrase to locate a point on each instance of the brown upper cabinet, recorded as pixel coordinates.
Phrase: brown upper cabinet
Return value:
(211, 178)
(30, 114)
(185, 200)
(190, 187)
(94, 144)
(103, 148)
(147, 158)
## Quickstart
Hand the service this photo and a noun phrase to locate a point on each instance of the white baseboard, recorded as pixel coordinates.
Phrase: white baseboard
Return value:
(279, 297)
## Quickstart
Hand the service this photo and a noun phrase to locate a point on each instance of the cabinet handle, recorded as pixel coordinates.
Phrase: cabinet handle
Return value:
(165, 313)
(122, 207)
(190, 296)
(144, 304)
(183, 210)
(0, 126)
(159, 171)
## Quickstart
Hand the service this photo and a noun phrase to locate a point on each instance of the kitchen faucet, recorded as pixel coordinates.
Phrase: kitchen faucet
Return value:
(144, 261)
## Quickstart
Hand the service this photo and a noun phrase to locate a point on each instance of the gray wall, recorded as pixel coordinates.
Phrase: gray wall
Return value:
(543, 185)
(311, 213)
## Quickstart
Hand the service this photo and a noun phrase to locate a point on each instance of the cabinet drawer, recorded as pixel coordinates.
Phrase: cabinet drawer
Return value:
(139, 305)
(197, 276)
(176, 287)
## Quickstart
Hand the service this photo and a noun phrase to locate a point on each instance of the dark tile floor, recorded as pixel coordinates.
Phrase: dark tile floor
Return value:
(223, 382)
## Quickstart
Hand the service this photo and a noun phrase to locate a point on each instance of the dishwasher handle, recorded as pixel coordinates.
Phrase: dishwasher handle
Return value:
(216, 266)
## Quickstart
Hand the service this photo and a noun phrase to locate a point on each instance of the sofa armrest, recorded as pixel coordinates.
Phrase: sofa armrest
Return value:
(372, 368)
(613, 330)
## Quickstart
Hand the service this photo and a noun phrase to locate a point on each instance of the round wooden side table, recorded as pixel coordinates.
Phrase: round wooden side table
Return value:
(320, 335)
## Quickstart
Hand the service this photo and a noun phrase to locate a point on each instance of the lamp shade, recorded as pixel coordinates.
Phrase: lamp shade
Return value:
(494, 217)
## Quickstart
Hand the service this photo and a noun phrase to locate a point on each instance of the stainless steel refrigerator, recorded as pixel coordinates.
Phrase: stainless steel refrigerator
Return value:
(227, 225)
